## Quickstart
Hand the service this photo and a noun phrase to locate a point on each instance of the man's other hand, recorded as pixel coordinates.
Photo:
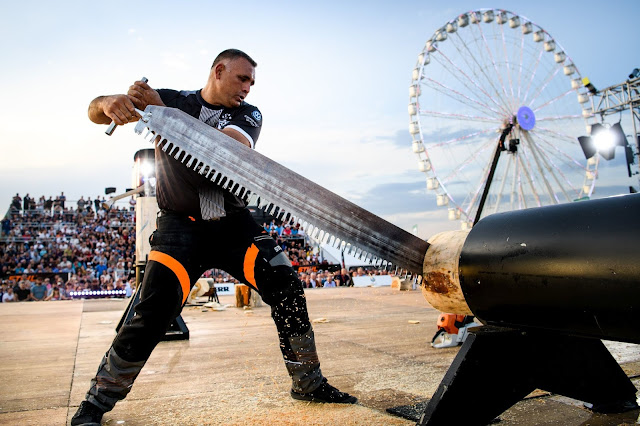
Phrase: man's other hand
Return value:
(141, 94)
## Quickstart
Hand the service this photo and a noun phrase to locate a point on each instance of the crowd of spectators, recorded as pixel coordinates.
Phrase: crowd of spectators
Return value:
(49, 249)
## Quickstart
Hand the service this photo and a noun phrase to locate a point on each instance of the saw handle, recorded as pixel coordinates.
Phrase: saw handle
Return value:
(113, 125)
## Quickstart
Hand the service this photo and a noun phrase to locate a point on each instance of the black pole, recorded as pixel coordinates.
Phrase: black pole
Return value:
(492, 171)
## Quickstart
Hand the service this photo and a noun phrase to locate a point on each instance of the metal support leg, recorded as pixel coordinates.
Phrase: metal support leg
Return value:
(177, 330)
(501, 366)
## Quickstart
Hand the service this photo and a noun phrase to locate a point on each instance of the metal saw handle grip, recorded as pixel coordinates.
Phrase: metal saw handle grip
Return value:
(113, 125)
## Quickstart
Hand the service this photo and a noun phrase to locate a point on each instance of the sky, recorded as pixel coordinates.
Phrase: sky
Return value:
(332, 85)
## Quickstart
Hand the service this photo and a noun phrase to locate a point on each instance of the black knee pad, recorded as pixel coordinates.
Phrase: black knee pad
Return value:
(279, 284)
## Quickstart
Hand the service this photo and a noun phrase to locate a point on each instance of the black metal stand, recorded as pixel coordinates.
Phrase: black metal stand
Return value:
(498, 367)
(494, 163)
(178, 330)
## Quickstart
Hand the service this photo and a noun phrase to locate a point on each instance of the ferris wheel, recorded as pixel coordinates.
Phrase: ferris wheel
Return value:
(495, 108)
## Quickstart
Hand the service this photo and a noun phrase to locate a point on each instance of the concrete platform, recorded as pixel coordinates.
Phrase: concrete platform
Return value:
(231, 372)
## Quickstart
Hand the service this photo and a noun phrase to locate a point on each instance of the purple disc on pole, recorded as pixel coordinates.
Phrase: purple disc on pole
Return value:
(526, 118)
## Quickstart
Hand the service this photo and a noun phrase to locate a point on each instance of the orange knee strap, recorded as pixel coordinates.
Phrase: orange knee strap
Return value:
(250, 264)
(177, 268)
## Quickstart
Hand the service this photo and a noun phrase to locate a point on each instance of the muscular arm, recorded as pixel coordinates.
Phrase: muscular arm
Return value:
(103, 109)
(237, 136)
(119, 108)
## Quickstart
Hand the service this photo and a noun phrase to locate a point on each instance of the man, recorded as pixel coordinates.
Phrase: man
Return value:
(38, 291)
(22, 290)
(194, 213)
(9, 296)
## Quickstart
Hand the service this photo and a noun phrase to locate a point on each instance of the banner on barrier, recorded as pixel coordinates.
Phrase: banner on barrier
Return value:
(225, 288)
(38, 275)
(372, 281)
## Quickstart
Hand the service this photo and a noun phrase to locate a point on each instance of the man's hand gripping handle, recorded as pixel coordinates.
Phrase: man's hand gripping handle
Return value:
(113, 125)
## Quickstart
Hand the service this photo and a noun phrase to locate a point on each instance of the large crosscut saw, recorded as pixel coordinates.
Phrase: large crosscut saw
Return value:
(280, 191)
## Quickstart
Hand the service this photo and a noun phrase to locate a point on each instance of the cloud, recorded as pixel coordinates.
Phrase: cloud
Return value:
(397, 197)
(176, 61)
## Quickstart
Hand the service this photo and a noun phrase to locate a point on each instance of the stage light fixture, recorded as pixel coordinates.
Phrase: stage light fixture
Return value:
(590, 87)
(144, 171)
(603, 140)
(587, 146)
(634, 74)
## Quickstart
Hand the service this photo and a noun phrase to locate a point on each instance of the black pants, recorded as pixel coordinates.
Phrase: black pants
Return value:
(181, 250)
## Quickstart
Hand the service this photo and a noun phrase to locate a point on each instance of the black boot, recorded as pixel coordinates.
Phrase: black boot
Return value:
(325, 393)
(87, 415)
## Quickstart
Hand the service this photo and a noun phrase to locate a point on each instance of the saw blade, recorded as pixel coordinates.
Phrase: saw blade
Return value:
(282, 192)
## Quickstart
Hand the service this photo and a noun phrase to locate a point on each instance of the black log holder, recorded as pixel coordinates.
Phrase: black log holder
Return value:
(498, 367)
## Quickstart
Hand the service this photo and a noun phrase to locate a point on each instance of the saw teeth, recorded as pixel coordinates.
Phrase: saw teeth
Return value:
(253, 198)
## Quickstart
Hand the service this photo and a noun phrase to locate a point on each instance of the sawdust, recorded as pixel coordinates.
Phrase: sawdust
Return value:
(419, 380)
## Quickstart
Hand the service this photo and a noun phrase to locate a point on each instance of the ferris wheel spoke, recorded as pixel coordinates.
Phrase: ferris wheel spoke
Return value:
(553, 170)
(478, 189)
(458, 116)
(543, 85)
(527, 175)
(556, 133)
(507, 62)
(520, 68)
(559, 118)
(465, 83)
(481, 68)
(514, 198)
(550, 101)
(460, 97)
(560, 153)
(495, 67)
(502, 183)
(567, 162)
(456, 172)
(541, 171)
(461, 138)
(533, 76)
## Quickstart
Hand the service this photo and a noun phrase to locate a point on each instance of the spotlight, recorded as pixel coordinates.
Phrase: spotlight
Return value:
(590, 87)
(634, 74)
(144, 171)
(604, 140)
